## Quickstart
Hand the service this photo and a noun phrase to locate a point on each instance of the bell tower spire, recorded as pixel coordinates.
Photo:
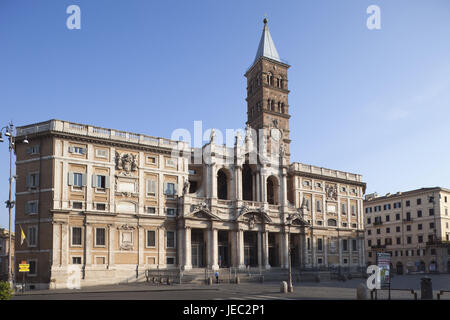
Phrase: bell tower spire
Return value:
(267, 93)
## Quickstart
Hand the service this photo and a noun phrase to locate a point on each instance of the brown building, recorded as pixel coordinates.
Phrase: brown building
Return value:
(103, 206)
(413, 226)
(4, 253)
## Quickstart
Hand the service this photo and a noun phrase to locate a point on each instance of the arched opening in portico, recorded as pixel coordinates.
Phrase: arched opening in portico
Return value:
(272, 190)
(247, 183)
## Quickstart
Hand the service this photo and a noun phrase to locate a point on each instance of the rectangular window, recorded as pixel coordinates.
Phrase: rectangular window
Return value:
(419, 213)
(101, 153)
(368, 221)
(387, 218)
(100, 260)
(345, 244)
(397, 229)
(76, 260)
(100, 206)
(151, 238)
(399, 240)
(33, 267)
(76, 236)
(171, 163)
(99, 181)
(318, 207)
(309, 243)
(32, 180)
(151, 159)
(150, 210)
(319, 244)
(397, 216)
(170, 260)
(408, 228)
(354, 245)
(431, 211)
(170, 211)
(343, 208)
(77, 150)
(388, 230)
(77, 179)
(408, 203)
(31, 207)
(100, 238)
(419, 239)
(33, 149)
(151, 188)
(419, 226)
(369, 242)
(32, 236)
(419, 201)
(170, 189)
(431, 225)
(408, 240)
(170, 239)
(353, 210)
(77, 205)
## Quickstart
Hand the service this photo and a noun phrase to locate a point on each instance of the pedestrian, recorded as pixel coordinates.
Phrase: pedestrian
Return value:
(217, 276)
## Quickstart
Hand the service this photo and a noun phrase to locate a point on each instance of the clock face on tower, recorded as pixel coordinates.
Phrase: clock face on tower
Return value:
(275, 134)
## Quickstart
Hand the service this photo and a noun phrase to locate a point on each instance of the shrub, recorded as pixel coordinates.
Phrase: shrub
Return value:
(5, 291)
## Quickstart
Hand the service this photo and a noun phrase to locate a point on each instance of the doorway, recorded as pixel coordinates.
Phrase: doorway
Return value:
(197, 249)
(250, 248)
(223, 249)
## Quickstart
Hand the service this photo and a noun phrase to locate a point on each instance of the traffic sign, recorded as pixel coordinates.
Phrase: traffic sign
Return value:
(24, 267)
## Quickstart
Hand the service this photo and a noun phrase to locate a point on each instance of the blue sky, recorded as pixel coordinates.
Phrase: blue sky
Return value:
(374, 102)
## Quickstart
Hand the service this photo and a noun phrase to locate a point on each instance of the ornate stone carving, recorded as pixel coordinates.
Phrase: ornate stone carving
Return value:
(200, 207)
(125, 227)
(186, 187)
(331, 191)
(126, 162)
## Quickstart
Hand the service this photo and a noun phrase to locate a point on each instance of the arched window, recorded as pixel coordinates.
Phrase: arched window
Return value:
(282, 108)
(222, 185)
(279, 107)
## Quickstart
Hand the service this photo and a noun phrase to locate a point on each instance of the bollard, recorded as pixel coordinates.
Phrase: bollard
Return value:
(361, 292)
(210, 281)
(283, 287)
(426, 289)
(238, 280)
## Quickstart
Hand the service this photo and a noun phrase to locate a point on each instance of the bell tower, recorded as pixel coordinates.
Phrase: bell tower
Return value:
(267, 93)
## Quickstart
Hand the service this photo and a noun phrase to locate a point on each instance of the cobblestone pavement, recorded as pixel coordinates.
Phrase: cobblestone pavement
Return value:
(245, 291)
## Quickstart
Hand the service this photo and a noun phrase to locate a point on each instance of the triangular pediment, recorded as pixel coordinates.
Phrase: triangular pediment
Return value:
(202, 214)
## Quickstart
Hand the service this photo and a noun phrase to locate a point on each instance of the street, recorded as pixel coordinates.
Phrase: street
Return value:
(334, 290)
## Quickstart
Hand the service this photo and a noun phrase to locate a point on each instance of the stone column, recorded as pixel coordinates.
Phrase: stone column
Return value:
(88, 240)
(214, 249)
(305, 250)
(240, 233)
(283, 198)
(180, 246)
(161, 247)
(256, 187)
(260, 250)
(325, 251)
(263, 187)
(187, 248)
(340, 251)
(350, 249)
(89, 190)
(266, 249)
(213, 175)
(313, 248)
(111, 247)
(238, 182)
(65, 240)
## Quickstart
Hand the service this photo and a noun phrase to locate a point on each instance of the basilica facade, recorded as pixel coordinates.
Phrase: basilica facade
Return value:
(105, 205)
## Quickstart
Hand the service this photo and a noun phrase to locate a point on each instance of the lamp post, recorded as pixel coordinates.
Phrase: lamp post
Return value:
(289, 222)
(10, 203)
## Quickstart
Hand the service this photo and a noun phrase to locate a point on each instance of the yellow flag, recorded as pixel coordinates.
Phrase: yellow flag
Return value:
(22, 235)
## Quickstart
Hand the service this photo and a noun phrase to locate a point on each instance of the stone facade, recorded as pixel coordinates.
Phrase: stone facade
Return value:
(102, 206)
(412, 226)
(4, 249)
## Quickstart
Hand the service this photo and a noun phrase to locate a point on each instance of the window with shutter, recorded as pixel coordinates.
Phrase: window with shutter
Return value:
(151, 187)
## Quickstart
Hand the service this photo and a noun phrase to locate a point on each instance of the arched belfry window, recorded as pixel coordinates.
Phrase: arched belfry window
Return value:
(222, 185)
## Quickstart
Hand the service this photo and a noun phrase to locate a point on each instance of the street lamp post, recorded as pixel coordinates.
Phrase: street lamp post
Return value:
(10, 203)
(290, 287)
